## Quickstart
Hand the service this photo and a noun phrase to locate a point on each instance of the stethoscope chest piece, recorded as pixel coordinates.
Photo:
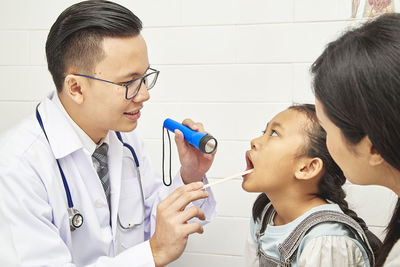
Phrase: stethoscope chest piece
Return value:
(75, 219)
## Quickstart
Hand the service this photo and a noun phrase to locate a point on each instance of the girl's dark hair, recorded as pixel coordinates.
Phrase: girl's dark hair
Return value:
(75, 39)
(332, 180)
(357, 80)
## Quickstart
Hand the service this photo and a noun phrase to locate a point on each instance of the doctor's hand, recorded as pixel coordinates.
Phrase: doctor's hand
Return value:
(172, 229)
(194, 163)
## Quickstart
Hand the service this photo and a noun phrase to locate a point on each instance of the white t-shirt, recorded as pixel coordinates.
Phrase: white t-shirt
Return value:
(393, 259)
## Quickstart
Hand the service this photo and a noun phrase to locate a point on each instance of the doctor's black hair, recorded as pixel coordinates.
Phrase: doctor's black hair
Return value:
(330, 186)
(357, 81)
(75, 39)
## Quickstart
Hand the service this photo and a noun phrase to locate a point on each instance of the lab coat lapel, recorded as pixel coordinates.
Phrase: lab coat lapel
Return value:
(115, 169)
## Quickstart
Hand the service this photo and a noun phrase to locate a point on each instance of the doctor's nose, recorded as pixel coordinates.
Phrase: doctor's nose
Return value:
(142, 95)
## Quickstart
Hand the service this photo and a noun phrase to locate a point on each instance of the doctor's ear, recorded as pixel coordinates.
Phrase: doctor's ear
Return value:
(73, 89)
(309, 168)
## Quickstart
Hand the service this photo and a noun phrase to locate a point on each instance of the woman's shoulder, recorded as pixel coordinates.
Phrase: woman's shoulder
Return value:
(393, 259)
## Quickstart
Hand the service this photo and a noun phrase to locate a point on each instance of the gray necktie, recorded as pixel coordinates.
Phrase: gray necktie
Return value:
(99, 159)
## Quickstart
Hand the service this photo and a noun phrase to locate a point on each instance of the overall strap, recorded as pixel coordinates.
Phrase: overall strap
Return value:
(266, 216)
(264, 259)
(289, 247)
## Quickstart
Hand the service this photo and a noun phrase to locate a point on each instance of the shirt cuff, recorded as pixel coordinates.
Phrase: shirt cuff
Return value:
(137, 256)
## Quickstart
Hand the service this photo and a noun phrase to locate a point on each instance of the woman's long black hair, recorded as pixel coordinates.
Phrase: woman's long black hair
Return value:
(357, 80)
(330, 184)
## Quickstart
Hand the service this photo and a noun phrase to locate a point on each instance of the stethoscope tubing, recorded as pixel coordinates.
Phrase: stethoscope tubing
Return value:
(65, 183)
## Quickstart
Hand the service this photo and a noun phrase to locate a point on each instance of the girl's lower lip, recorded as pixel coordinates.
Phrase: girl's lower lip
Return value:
(133, 117)
(244, 176)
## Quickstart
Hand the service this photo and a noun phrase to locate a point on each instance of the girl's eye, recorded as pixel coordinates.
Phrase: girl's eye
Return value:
(273, 133)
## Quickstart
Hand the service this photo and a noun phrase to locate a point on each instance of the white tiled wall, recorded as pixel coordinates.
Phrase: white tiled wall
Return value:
(231, 64)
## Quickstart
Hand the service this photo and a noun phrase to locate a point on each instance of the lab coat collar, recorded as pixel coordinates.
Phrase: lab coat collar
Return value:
(62, 137)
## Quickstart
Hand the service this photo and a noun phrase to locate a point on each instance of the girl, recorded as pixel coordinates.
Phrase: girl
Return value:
(357, 90)
(301, 218)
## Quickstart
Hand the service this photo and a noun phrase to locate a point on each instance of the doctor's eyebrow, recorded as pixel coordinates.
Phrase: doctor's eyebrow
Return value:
(132, 74)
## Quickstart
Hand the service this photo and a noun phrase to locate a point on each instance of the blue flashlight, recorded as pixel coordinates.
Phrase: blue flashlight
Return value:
(204, 142)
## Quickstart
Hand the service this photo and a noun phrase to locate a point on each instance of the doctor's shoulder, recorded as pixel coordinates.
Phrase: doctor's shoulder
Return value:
(24, 151)
(20, 139)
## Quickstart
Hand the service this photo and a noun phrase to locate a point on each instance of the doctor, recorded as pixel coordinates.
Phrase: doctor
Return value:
(75, 192)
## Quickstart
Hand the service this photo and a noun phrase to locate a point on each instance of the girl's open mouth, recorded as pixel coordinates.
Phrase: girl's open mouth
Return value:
(248, 162)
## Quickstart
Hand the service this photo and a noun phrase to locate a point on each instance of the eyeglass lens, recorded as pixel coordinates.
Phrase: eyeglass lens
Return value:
(149, 80)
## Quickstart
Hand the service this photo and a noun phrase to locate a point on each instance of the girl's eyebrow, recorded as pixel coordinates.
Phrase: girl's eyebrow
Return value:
(275, 124)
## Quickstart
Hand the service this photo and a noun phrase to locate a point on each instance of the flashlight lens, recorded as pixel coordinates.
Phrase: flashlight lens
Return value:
(210, 145)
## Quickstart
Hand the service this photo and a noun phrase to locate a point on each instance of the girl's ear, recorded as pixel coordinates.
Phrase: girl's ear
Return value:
(73, 89)
(309, 168)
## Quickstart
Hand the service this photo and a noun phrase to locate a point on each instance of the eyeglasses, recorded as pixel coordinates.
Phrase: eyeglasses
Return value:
(133, 86)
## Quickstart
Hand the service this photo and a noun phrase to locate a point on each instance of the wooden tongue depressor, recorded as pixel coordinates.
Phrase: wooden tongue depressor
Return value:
(228, 178)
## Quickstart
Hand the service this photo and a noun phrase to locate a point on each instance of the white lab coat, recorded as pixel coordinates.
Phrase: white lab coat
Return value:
(33, 203)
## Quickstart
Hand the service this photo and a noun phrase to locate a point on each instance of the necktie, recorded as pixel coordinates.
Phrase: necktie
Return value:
(99, 159)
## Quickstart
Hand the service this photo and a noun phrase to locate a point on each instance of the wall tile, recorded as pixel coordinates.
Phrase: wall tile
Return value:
(212, 260)
(37, 48)
(193, 45)
(224, 236)
(322, 10)
(224, 83)
(24, 83)
(291, 42)
(302, 84)
(38, 14)
(14, 48)
(15, 112)
(209, 12)
(265, 11)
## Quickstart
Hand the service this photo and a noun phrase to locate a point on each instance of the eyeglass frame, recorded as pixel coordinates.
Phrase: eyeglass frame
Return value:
(126, 84)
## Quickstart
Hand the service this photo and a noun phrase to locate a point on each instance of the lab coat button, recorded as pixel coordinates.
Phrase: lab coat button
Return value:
(99, 203)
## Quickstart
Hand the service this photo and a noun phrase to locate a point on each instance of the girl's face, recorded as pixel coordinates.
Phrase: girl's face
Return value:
(273, 155)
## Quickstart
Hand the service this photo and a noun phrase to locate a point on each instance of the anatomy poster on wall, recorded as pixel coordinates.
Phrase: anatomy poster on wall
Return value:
(372, 8)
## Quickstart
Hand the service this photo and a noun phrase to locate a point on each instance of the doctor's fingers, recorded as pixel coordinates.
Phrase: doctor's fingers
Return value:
(183, 192)
(191, 228)
(190, 213)
(197, 126)
(184, 199)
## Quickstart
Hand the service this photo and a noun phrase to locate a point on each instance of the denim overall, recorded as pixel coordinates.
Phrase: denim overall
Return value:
(288, 249)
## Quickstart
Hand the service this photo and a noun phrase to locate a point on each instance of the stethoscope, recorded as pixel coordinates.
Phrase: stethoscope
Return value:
(75, 217)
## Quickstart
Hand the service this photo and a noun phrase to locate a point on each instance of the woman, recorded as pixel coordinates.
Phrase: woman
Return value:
(357, 90)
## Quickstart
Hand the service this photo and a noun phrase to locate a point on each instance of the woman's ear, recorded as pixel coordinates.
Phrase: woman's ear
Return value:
(309, 168)
(73, 89)
(374, 157)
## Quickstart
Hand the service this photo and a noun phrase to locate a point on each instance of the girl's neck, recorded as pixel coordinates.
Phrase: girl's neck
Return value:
(290, 208)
